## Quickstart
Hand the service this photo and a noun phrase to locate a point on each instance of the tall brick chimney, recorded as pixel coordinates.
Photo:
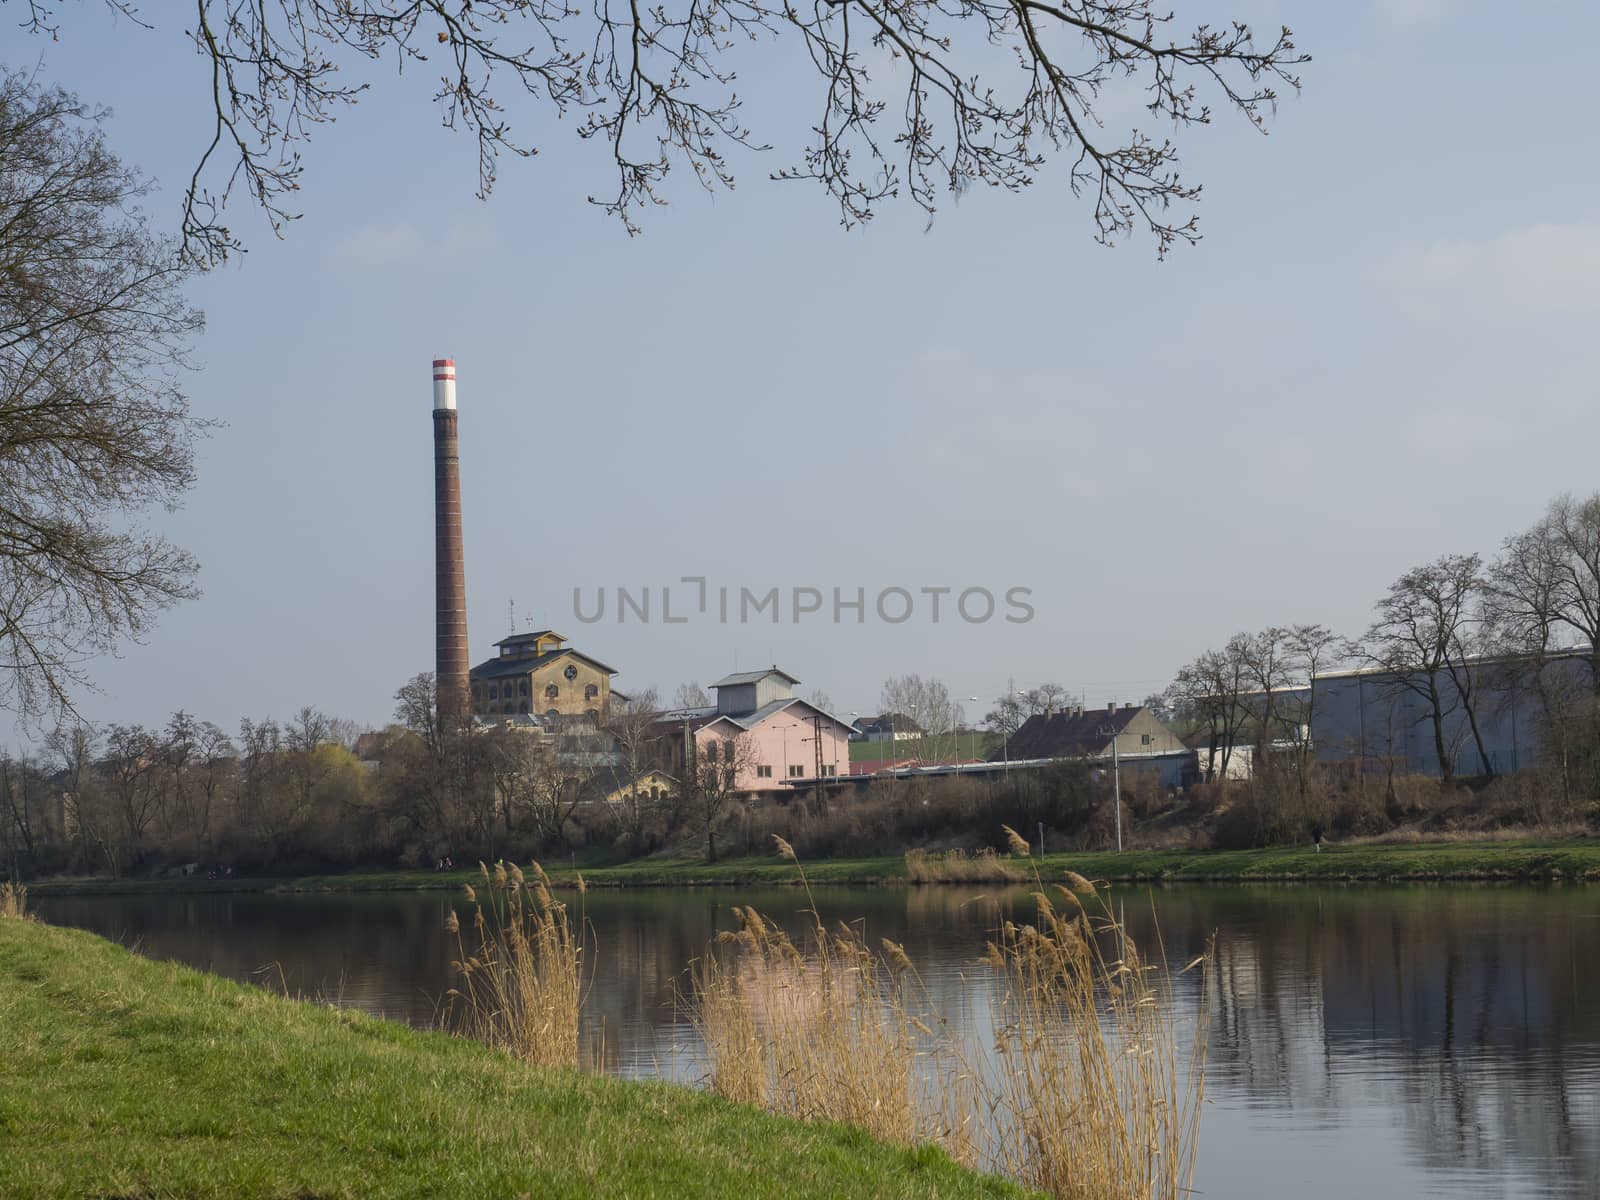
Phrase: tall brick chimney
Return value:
(450, 603)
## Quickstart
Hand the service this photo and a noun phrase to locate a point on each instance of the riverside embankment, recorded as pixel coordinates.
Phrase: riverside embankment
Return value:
(1569, 859)
(120, 1076)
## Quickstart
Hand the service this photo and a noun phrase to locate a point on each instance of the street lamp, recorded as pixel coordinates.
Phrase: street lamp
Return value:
(1116, 780)
(1011, 691)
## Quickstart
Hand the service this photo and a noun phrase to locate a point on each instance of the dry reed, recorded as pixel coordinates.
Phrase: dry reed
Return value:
(808, 1033)
(522, 986)
(1096, 1094)
(956, 866)
(13, 902)
(1090, 1091)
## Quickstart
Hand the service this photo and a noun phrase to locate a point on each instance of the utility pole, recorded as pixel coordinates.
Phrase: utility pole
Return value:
(816, 737)
(1116, 788)
(1110, 728)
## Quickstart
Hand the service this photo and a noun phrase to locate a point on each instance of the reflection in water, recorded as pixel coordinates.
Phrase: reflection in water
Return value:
(1391, 1042)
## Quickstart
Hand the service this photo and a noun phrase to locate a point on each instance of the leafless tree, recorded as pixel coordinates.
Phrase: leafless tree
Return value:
(20, 818)
(1047, 698)
(1007, 716)
(818, 698)
(926, 701)
(916, 96)
(1212, 693)
(551, 784)
(73, 747)
(1542, 595)
(635, 725)
(715, 777)
(690, 695)
(132, 762)
(94, 428)
(1423, 642)
(1312, 649)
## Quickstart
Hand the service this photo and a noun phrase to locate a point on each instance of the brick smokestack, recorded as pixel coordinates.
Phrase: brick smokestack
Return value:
(450, 605)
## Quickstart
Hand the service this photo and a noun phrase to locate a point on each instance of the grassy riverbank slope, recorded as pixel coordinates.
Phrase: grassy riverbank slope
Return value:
(125, 1077)
(1525, 860)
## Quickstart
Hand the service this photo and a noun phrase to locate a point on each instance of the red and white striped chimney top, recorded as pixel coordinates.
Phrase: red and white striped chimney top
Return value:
(444, 383)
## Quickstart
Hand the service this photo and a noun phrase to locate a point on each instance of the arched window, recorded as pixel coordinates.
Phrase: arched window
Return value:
(552, 714)
(522, 687)
(523, 707)
(552, 692)
(508, 710)
(590, 692)
(494, 693)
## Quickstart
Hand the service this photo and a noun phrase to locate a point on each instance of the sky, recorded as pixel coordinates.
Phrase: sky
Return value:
(1381, 352)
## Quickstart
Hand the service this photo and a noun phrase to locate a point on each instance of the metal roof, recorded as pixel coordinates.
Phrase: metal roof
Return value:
(752, 676)
(499, 668)
(519, 638)
(750, 720)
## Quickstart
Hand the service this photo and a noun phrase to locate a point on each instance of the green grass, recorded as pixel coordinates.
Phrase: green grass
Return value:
(965, 746)
(1568, 859)
(1574, 858)
(122, 1077)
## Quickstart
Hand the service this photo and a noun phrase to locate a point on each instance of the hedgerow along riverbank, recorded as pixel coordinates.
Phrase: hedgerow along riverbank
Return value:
(1531, 861)
(120, 1076)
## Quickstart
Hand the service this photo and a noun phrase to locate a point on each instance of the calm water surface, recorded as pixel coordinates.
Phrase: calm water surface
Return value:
(1366, 1042)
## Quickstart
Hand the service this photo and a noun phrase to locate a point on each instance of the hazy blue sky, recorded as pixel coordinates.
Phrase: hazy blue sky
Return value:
(1382, 351)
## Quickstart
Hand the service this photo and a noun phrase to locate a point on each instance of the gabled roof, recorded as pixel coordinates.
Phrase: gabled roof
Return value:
(739, 677)
(1069, 734)
(524, 639)
(750, 720)
(499, 668)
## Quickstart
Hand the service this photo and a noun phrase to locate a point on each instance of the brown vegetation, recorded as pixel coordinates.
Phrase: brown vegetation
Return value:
(957, 866)
(13, 901)
(522, 985)
(1090, 1090)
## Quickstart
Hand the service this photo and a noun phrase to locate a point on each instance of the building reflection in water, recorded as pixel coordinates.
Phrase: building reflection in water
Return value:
(1460, 1024)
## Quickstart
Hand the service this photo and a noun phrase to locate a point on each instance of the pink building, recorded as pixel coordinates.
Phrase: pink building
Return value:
(779, 735)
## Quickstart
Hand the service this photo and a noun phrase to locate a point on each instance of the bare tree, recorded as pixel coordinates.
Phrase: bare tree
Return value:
(690, 695)
(1542, 594)
(73, 747)
(926, 701)
(1007, 716)
(94, 429)
(1212, 693)
(1422, 641)
(635, 726)
(1044, 699)
(416, 707)
(1313, 649)
(132, 761)
(915, 97)
(818, 698)
(551, 785)
(714, 778)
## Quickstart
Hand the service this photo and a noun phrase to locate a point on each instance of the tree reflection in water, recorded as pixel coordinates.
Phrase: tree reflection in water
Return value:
(1454, 1029)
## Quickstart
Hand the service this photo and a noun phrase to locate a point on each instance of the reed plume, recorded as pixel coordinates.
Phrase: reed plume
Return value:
(523, 987)
(13, 902)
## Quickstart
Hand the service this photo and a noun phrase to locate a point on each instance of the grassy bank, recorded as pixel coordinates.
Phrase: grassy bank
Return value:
(125, 1077)
(1530, 860)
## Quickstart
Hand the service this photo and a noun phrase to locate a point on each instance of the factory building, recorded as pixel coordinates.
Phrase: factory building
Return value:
(538, 674)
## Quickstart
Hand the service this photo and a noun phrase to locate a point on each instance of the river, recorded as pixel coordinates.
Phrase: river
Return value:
(1366, 1041)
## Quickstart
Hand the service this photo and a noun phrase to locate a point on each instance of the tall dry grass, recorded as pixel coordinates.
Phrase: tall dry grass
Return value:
(957, 866)
(809, 1033)
(13, 901)
(1097, 1095)
(1088, 1089)
(521, 987)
